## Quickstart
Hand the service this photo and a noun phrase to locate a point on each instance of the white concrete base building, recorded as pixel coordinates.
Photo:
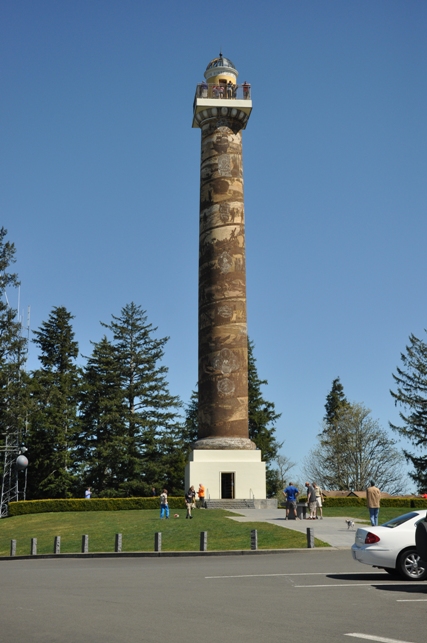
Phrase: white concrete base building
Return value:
(227, 474)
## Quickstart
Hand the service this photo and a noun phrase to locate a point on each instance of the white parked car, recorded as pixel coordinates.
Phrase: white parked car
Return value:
(391, 546)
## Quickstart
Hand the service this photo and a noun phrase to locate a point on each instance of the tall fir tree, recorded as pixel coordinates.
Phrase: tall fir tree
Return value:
(102, 443)
(411, 394)
(262, 419)
(150, 411)
(335, 401)
(53, 421)
(13, 351)
(191, 424)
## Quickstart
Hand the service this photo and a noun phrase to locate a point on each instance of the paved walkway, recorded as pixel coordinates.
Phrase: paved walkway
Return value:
(333, 531)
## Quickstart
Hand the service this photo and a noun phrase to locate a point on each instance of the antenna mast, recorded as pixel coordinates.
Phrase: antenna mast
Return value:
(14, 460)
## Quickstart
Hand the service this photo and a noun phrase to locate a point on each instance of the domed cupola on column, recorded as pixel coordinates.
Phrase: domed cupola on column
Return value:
(221, 85)
(221, 68)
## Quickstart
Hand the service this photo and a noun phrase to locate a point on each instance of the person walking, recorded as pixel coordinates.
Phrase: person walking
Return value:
(311, 499)
(319, 501)
(164, 505)
(373, 501)
(189, 501)
(291, 494)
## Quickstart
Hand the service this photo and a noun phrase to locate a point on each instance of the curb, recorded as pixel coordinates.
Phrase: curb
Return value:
(171, 554)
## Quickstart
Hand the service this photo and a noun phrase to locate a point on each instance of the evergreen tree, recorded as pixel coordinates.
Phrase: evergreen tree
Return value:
(150, 411)
(53, 421)
(262, 414)
(335, 400)
(262, 418)
(102, 442)
(13, 351)
(411, 394)
(191, 424)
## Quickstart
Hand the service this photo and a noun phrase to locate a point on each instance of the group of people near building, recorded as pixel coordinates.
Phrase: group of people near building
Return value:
(314, 501)
(190, 501)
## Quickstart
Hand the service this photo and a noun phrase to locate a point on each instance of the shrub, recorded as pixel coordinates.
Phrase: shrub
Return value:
(94, 504)
(419, 503)
(396, 502)
(352, 501)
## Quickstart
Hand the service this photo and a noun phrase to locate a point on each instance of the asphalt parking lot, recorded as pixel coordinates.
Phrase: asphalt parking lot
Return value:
(303, 596)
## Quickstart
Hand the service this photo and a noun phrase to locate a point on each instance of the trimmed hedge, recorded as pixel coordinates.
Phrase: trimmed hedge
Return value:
(94, 504)
(409, 503)
(354, 501)
(419, 503)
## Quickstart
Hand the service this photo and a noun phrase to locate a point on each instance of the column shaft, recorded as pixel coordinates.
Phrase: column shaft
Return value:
(223, 351)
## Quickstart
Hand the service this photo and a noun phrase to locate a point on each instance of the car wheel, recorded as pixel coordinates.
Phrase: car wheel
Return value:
(410, 566)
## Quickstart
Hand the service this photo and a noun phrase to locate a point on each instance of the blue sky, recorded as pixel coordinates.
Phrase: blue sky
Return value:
(100, 181)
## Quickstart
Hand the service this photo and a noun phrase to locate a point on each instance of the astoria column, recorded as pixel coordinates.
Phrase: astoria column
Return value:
(221, 110)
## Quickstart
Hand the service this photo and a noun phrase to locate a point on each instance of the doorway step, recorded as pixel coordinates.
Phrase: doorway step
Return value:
(230, 504)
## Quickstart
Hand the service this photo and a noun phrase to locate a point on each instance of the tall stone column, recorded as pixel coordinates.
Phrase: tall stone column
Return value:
(224, 459)
(223, 341)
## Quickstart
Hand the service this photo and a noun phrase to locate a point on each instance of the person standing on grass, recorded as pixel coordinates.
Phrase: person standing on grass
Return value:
(311, 499)
(164, 506)
(319, 503)
(201, 494)
(291, 494)
(373, 501)
(88, 493)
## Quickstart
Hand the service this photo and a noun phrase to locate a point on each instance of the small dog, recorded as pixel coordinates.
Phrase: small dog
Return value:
(176, 515)
(350, 523)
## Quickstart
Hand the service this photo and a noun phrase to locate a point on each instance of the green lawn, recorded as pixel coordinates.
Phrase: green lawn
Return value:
(138, 528)
(361, 514)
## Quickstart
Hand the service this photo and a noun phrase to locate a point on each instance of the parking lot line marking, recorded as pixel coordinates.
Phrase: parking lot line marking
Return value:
(411, 600)
(355, 584)
(370, 637)
(295, 574)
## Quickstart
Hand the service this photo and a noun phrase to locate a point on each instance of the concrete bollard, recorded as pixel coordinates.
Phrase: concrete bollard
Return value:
(13, 547)
(203, 541)
(310, 538)
(85, 544)
(118, 544)
(158, 541)
(57, 545)
(33, 546)
(254, 539)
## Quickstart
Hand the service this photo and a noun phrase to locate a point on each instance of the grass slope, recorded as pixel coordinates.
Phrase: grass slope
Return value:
(361, 514)
(138, 528)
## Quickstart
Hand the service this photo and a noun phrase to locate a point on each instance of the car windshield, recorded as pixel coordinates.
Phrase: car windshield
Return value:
(395, 522)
